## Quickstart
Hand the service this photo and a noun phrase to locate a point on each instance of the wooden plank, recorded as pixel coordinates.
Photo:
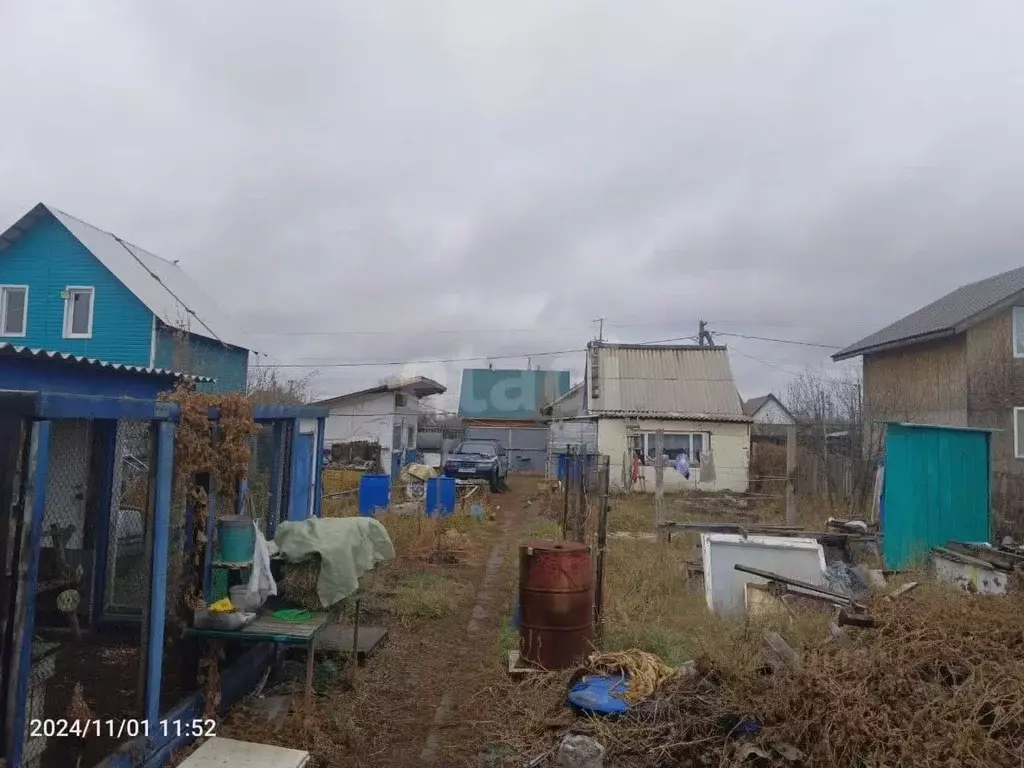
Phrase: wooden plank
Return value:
(220, 752)
(1000, 560)
(861, 620)
(899, 591)
(791, 582)
(338, 637)
(783, 649)
(268, 625)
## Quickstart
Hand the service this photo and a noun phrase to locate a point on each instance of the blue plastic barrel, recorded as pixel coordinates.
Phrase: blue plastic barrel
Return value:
(440, 496)
(237, 538)
(374, 493)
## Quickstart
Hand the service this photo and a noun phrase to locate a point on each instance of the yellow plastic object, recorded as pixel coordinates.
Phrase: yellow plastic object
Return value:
(222, 606)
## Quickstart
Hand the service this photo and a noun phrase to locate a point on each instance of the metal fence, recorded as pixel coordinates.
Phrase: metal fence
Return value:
(92, 596)
(584, 484)
(127, 578)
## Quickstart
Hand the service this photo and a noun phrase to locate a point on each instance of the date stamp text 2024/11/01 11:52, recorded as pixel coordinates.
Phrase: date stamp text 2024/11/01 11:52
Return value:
(118, 729)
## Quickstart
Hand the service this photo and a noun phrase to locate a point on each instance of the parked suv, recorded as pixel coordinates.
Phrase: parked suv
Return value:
(480, 460)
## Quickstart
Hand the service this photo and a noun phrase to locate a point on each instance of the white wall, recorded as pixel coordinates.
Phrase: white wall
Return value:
(369, 418)
(375, 418)
(772, 413)
(406, 416)
(730, 446)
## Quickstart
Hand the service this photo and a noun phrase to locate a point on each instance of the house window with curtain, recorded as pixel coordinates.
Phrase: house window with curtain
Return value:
(690, 443)
(13, 310)
(78, 306)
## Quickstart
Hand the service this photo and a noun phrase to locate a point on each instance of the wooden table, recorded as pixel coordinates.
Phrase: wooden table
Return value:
(267, 629)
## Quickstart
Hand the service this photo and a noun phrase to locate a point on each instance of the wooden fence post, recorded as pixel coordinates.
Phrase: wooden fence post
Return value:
(790, 474)
(659, 481)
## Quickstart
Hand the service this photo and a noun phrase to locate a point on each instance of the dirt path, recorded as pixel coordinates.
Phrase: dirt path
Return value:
(411, 703)
(476, 647)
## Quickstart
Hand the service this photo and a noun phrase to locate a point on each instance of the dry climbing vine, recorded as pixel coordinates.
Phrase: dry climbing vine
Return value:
(221, 451)
(218, 449)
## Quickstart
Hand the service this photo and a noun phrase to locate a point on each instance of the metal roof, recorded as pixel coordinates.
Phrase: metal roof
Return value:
(417, 386)
(754, 404)
(950, 315)
(661, 381)
(28, 353)
(169, 293)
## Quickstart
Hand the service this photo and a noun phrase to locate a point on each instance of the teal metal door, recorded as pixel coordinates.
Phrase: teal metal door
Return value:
(936, 489)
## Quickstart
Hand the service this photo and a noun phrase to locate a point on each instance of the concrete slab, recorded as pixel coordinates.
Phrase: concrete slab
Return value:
(516, 665)
(219, 752)
(338, 637)
(273, 708)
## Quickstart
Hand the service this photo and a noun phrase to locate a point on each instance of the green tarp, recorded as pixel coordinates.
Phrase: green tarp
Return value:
(348, 547)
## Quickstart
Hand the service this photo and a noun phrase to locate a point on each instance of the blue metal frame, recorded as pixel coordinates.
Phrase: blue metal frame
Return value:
(56, 405)
(158, 582)
(276, 477)
(35, 500)
(318, 478)
(107, 443)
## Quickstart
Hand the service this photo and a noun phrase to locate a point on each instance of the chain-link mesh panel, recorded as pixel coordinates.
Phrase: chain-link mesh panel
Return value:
(127, 588)
(76, 670)
(261, 469)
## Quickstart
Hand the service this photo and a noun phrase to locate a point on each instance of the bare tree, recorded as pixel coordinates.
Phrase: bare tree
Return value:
(831, 432)
(266, 386)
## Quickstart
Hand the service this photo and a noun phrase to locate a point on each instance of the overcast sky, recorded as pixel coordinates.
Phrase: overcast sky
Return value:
(417, 176)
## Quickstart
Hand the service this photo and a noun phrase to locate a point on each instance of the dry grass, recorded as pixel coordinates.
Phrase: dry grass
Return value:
(940, 681)
(426, 595)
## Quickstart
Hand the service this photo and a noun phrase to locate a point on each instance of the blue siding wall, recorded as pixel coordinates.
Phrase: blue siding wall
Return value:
(48, 259)
(205, 357)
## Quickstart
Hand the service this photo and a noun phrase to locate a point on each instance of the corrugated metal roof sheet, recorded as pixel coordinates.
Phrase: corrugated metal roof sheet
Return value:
(161, 285)
(29, 353)
(675, 382)
(942, 317)
(417, 386)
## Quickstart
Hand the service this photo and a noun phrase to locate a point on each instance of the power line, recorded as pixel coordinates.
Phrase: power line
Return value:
(426, 361)
(601, 322)
(779, 341)
(759, 360)
(550, 353)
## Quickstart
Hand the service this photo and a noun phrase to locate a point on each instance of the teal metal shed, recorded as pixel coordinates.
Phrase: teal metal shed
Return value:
(936, 489)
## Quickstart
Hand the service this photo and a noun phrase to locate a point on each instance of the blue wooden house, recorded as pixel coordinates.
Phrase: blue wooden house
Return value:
(67, 286)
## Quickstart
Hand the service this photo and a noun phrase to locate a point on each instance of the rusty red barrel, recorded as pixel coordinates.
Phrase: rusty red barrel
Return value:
(555, 601)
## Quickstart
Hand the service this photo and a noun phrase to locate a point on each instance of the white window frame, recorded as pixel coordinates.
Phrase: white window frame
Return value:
(3, 312)
(72, 289)
(1013, 322)
(648, 444)
(1016, 433)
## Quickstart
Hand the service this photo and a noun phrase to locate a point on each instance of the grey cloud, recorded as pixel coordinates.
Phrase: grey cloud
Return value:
(807, 171)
